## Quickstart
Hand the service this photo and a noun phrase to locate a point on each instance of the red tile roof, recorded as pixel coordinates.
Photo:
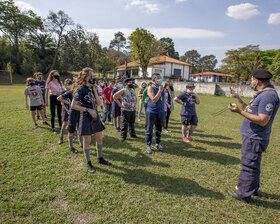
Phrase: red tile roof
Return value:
(156, 60)
(211, 73)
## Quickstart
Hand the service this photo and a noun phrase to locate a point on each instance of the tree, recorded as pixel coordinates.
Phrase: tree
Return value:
(17, 25)
(274, 68)
(207, 63)
(193, 58)
(144, 46)
(56, 24)
(242, 61)
(118, 42)
(168, 47)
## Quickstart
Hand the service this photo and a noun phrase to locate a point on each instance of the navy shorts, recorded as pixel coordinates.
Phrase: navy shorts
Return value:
(88, 126)
(189, 120)
(33, 108)
(116, 111)
(65, 116)
(74, 118)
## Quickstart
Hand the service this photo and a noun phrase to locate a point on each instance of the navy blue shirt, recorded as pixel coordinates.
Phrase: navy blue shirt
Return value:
(85, 97)
(42, 85)
(189, 109)
(157, 107)
(67, 95)
(266, 102)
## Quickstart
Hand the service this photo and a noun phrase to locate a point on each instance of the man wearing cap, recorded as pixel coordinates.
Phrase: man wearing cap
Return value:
(128, 108)
(154, 113)
(255, 129)
(188, 99)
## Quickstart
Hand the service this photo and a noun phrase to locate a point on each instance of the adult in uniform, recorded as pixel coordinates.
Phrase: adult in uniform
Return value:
(255, 129)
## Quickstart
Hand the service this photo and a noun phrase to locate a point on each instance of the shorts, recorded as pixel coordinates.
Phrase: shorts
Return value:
(74, 118)
(65, 116)
(116, 111)
(88, 126)
(189, 120)
(33, 108)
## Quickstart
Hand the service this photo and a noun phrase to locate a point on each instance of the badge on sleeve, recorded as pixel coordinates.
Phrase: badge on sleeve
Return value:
(269, 107)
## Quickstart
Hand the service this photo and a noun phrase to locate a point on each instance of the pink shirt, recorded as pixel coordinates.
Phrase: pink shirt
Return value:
(56, 89)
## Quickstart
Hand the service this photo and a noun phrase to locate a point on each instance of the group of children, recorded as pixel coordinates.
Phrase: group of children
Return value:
(81, 98)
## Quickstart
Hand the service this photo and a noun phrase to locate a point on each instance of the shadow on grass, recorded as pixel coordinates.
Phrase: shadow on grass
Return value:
(223, 144)
(211, 136)
(163, 183)
(267, 204)
(185, 149)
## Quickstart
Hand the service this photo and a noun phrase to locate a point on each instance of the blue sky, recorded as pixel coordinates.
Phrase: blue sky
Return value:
(209, 26)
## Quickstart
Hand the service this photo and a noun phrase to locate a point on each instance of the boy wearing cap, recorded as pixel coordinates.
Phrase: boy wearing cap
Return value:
(188, 99)
(255, 129)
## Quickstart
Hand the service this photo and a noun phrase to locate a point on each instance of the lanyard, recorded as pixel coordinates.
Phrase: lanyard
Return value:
(255, 96)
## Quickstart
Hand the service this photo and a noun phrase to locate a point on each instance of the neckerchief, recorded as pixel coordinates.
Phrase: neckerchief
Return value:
(256, 94)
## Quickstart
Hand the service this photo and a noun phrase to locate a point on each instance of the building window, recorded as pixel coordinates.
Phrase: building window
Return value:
(177, 72)
(158, 71)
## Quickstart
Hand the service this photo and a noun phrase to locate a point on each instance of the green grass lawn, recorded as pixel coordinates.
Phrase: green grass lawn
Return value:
(41, 181)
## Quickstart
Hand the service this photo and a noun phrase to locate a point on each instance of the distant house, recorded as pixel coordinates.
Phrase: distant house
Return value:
(211, 77)
(167, 67)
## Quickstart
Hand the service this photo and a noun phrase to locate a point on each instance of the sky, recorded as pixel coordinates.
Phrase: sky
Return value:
(208, 26)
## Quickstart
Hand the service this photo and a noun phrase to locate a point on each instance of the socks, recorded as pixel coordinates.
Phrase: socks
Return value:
(184, 132)
(190, 133)
(62, 133)
(87, 154)
(99, 150)
(70, 140)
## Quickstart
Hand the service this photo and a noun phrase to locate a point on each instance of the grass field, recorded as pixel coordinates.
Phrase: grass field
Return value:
(42, 182)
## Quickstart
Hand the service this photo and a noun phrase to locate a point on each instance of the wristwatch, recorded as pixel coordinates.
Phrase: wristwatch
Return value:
(86, 110)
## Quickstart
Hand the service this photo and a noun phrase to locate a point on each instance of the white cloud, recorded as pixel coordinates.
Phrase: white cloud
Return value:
(106, 35)
(242, 11)
(274, 18)
(23, 6)
(148, 6)
(179, 1)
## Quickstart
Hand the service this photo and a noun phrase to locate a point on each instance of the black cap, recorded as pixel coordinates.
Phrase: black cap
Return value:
(261, 74)
(127, 80)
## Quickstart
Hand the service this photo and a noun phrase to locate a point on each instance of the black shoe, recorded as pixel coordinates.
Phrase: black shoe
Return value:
(133, 136)
(36, 125)
(74, 150)
(90, 167)
(256, 193)
(60, 141)
(103, 161)
(118, 129)
(236, 196)
(45, 123)
(123, 139)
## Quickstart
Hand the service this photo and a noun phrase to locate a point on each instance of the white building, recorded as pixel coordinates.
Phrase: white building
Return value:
(211, 77)
(167, 67)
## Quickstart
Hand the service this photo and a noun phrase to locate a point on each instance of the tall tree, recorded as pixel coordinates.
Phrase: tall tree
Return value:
(144, 46)
(168, 47)
(56, 24)
(193, 58)
(275, 67)
(118, 42)
(242, 61)
(17, 25)
(207, 63)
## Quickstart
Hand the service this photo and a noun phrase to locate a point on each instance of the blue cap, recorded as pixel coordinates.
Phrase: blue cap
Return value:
(190, 84)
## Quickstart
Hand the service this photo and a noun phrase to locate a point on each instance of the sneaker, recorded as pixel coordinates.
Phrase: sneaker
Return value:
(168, 130)
(186, 140)
(118, 129)
(45, 123)
(191, 139)
(149, 149)
(165, 130)
(101, 114)
(139, 119)
(110, 122)
(90, 167)
(159, 147)
(123, 139)
(53, 130)
(36, 125)
(74, 150)
(103, 161)
(60, 141)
